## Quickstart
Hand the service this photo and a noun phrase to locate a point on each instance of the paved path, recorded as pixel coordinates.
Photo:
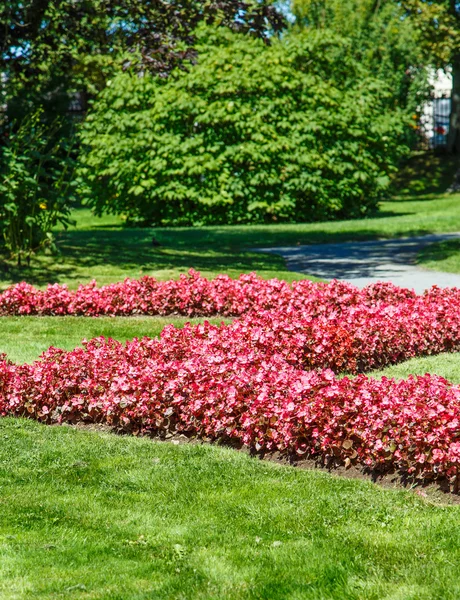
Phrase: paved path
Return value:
(362, 263)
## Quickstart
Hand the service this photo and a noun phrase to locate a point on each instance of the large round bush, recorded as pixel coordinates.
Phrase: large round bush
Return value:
(292, 131)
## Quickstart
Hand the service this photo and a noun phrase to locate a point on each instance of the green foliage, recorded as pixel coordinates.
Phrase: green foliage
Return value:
(386, 42)
(53, 50)
(424, 173)
(293, 131)
(35, 185)
(438, 22)
(433, 24)
(401, 39)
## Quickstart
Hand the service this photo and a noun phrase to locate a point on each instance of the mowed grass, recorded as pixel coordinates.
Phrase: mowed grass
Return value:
(92, 515)
(105, 250)
(23, 339)
(446, 365)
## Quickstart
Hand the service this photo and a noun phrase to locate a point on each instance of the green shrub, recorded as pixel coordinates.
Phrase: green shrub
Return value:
(36, 181)
(293, 131)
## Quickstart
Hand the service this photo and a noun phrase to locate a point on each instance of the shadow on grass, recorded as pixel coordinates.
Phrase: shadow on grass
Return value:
(426, 174)
(124, 251)
(88, 253)
(277, 235)
(440, 251)
(105, 249)
(210, 247)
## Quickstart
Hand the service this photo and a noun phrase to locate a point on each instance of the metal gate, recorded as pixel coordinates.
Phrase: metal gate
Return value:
(441, 117)
(435, 113)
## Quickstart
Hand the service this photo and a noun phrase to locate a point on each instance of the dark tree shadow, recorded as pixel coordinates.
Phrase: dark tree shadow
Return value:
(217, 249)
(439, 251)
(214, 248)
(426, 175)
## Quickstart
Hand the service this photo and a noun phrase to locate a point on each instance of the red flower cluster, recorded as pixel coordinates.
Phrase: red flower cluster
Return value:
(190, 295)
(264, 380)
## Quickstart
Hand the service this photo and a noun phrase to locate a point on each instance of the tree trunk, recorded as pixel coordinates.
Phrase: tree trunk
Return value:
(453, 140)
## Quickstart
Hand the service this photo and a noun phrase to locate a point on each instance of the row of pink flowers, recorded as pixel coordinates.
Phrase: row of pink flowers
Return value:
(265, 380)
(266, 404)
(191, 295)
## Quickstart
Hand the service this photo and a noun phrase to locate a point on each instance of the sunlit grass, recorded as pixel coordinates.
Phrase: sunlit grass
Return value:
(442, 256)
(446, 365)
(92, 515)
(23, 339)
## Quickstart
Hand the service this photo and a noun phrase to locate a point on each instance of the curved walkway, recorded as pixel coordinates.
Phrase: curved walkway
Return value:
(361, 263)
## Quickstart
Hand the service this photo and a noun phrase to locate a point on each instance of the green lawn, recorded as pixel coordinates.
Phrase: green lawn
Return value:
(105, 250)
(446, 365)
(94, 516)
(23, 339)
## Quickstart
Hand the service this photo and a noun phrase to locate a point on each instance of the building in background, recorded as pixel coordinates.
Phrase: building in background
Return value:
(435, 117)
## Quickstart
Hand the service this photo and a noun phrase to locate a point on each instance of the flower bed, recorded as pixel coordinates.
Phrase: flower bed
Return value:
(265, 380)
(259, 400)
(191, 295)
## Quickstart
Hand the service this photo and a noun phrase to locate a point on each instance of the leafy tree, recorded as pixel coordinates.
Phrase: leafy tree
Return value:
(406, 34)
(51, 48)
(439, 24)
(294, 131)
(383, 39)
